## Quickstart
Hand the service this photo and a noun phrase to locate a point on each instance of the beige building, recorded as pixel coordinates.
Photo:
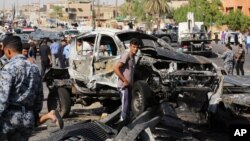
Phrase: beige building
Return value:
(75, 10)
(104, 14)
(26, 10)
(177, 3)
(81, 11)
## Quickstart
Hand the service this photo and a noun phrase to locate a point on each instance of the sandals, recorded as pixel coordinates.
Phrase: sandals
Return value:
(59, 120)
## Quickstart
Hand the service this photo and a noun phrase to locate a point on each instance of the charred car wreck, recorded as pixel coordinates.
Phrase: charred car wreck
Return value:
(162, 74)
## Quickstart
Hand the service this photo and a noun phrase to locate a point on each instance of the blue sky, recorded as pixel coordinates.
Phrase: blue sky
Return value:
(8, 3)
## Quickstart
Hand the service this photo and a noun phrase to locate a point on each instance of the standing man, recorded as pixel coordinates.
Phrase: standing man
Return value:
(53, 115)
(45, 57)
(124, 69)
(60, 54)
(228, 57)
(66, 53)
(21, 93)
(248, 41)
(240, 59)
(54, 47)
(222, 37)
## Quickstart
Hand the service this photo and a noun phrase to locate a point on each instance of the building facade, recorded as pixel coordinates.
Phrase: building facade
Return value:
(232, 5)
(177, 3)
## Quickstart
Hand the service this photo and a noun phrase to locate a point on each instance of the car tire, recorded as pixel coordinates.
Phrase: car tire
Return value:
(141, 94)
(59, 99)
(167, 39)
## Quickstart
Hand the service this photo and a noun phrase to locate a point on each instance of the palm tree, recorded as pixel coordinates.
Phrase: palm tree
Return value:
(57, 12)
(128, 5)
(157, 8)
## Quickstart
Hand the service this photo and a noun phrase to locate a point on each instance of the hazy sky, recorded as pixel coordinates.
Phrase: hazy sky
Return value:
(8, 3)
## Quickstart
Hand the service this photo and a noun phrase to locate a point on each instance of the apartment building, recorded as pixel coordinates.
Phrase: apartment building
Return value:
(75, 10)
(81, 11)
(242, 5)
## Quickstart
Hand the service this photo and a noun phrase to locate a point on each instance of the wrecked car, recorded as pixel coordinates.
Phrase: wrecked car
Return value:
(161, 74)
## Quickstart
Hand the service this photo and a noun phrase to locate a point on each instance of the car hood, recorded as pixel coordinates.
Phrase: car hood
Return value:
(177, 56)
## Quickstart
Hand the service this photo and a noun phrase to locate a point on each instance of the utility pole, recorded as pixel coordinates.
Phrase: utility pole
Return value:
(116, 8)
(3, 12)
(98, 12)
(39, 14)
(17, 7)
(68, 8)
(93, 15)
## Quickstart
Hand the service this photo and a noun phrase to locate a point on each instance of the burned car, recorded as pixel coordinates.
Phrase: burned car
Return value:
(161, 74)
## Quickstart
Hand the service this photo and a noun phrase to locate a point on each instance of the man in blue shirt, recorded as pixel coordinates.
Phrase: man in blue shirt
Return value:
(66, 54)
(248, 41)
(54, 47)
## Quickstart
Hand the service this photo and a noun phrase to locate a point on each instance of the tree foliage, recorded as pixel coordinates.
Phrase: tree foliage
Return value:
(57, 12)
(146, 10)
(237, 21)
(210, 12)
(157, 6)
(203, 10)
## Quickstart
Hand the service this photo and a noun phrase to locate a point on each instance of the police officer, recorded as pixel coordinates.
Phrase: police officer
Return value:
(21, 93)
(228, 57)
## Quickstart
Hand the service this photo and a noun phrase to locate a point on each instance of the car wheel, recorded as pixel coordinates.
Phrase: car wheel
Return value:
(167, 39)
(59, 99)
(140, 95)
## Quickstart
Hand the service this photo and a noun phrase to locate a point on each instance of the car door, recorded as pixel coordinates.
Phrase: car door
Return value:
(81, 62)
(107, 54)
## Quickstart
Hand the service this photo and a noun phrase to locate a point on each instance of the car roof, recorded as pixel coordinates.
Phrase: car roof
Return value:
(110, 32)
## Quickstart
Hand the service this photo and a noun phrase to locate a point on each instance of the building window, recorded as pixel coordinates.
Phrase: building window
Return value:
(229, 9)
(80, 9)
(70, 9)
(239, 8)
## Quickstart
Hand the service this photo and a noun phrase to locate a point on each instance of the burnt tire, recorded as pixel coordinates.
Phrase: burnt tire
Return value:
(59, 99)
(141, 94)
(166, 39)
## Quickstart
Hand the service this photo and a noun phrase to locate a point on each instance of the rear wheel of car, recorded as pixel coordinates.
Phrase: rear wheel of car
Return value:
(141, 94)
(59, 99)
(167, 39)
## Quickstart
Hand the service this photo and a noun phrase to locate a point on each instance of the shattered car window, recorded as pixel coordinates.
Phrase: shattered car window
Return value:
(107, 46)
(85, 45)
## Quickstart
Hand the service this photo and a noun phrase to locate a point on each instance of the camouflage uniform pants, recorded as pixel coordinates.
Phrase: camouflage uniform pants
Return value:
(229, 68)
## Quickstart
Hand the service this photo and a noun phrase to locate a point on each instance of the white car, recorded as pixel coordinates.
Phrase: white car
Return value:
(161, 73)
(71, 32)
